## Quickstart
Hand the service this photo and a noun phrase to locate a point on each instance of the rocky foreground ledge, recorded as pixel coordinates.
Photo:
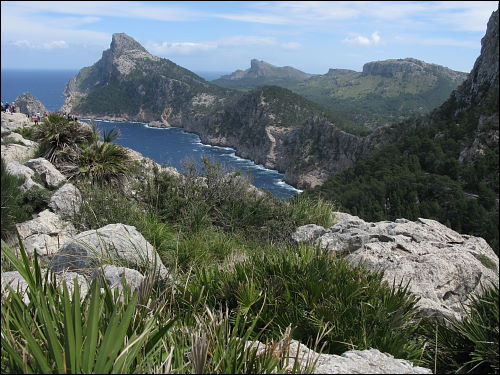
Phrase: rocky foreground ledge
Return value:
(442, 267)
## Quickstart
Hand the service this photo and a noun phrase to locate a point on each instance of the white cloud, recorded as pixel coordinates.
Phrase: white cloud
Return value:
(360, 40)
(291, 45)
(461, 15)
(437, 41)
(186, 48)
(247, 40)
(182, 48)
(122, 9)
(256, 18)
(46, 45)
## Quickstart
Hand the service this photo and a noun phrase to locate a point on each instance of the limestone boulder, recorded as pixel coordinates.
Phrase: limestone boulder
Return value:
(370, 361)
(66, 201)
(442, 267)
(117, 244)
(115, 276)
(308, 233)
(13, 121)
(16, 281)
(18, 138)
(50, 176)
(17, 169)
(45, 233)
(16, 152)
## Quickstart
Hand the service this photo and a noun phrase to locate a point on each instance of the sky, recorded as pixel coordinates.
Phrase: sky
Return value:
(207, 36)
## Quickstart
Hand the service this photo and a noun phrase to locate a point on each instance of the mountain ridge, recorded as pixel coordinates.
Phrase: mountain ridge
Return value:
(383, 92)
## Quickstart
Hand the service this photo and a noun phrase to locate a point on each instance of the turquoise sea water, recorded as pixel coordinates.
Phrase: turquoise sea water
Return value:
(170, 146)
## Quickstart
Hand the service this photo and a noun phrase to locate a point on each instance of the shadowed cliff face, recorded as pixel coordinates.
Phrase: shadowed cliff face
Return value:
(484, 74)
(479, 93)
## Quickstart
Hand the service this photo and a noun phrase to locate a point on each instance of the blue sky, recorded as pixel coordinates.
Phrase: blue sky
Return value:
(223, 36)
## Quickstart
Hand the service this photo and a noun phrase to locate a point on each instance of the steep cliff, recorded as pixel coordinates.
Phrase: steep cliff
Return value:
(257, 122)
(130, 83)
(479, 94)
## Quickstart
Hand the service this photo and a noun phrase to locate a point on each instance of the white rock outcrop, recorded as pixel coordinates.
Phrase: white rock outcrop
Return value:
(116, 276)
(66, 201)
(18, 138)
(17, 282)
(16, 152)
(45, 233)
(116, 244)
(369, 361)
(443, 268)
(17, 169)
(50, 176)
(13, 121)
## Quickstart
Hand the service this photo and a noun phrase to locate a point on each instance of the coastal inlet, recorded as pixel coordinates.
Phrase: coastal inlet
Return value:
(174, 146)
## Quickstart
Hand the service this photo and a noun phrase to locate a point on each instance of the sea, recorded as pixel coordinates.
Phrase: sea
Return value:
(172, 146)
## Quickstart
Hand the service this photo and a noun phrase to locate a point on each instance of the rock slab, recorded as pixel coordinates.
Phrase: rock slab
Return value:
(45, 233)
(66, 201)
(444, 268)
(116, 244)
(50, 176)
(16, 281)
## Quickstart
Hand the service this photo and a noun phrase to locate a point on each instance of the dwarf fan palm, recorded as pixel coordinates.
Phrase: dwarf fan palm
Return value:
(60, 138)
(103, 162)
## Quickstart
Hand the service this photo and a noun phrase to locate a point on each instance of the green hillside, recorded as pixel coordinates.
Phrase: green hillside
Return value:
(388, 91)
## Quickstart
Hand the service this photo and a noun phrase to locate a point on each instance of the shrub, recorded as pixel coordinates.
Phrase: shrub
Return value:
(469, 345)
(60, 331)
(102, 162)
(211, 196)
(311, 291)
(12, 201)
(35, 199)
(103, 205)
(27, 132)
(60, 138)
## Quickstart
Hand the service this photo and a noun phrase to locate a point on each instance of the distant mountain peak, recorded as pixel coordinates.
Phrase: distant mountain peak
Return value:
(256, 64)
(122, 43)
(408, 65)
(260, 68)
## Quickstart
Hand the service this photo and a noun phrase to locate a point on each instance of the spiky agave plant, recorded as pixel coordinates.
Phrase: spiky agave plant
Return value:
(56, 330)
